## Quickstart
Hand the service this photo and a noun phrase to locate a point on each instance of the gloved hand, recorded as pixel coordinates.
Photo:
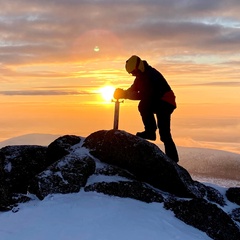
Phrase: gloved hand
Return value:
(119, 93)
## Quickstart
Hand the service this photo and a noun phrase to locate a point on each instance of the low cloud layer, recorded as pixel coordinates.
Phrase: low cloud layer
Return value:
(42, 93)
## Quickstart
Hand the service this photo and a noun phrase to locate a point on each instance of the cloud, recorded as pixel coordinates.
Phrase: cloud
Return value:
(204, 129)
(188, 37)
(224, 84)
(35, 31)
(43, 92)
(214, 84)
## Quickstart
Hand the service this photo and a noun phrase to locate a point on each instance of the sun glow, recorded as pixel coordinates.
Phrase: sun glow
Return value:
(107, 93)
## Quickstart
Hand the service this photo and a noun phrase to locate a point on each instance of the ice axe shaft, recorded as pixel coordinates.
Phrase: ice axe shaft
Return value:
(116, 114)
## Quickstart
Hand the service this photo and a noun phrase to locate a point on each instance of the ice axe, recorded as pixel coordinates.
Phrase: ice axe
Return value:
(116, 113)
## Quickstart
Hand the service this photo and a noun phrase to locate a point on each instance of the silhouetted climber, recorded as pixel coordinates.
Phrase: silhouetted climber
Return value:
(156, 97)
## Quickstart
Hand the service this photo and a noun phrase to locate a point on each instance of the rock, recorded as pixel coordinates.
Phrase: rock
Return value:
(5, 198)
(205, 216)
(114, 171)
(126, 185)
(61, 147)
(233, 195)
(215, 196)
(20, 164)
(126, 189)
(235, 214)
(21, 198)
(67, 175)
(122, 184)
(211, 194)
(143, 159)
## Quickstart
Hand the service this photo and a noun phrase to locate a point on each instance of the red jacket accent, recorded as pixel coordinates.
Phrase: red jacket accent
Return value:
(170, 98)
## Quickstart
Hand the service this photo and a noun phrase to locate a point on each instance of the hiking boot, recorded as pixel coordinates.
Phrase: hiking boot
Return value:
(147, 135)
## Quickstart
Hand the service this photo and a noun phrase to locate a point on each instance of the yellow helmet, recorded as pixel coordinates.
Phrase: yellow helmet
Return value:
(134, 63)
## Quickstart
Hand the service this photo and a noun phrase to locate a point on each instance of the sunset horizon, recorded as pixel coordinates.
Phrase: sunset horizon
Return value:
(57, 56)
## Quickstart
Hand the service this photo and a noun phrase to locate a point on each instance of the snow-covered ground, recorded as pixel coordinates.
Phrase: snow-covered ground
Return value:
(93, 216)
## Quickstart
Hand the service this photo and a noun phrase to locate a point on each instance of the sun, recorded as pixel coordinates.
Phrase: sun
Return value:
(107, 93)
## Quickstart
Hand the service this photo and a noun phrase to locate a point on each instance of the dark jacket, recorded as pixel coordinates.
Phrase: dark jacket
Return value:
(151, 87)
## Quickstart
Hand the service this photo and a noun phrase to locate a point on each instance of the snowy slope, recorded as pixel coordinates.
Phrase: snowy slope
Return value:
(93, 216)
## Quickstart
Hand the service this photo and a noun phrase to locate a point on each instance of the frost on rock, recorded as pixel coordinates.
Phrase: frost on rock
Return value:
(67, 175)
(8, 167)
(21, 163)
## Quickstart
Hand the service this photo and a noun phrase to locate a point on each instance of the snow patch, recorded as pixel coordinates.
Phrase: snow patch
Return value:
(91, 216)
(8, 167)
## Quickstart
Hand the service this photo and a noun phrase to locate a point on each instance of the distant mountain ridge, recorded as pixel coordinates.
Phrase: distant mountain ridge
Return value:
(30, 139)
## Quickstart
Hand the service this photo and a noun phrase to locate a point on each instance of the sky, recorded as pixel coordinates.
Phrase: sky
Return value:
(56, 55)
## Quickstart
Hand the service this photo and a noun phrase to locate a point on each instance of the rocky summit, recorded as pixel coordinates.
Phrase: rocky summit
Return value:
(116, 163)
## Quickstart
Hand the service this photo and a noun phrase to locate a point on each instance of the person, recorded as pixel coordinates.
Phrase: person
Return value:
(156, 97)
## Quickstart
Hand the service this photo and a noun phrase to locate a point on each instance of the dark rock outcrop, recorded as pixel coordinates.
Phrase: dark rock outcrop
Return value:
(211, 194)
(233, 195)
(21, 164)
(205, 216)
(61, 147)
(126, 189)
(143, 159)
(235, 214)
(67, 175)
(114, 171)
(4, 193)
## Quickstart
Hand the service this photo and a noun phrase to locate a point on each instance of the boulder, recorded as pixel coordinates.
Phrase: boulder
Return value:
(22, 163)
(205, 216)
(211, 194)
(143, 159)
(61, 147)
(67, 175)
(235, 214)
(233, 195)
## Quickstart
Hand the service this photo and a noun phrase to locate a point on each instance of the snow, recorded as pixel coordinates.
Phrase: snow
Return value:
(8, 167)
(93, 216)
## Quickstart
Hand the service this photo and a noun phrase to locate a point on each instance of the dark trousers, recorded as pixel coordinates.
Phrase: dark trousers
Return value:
(163, 112)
